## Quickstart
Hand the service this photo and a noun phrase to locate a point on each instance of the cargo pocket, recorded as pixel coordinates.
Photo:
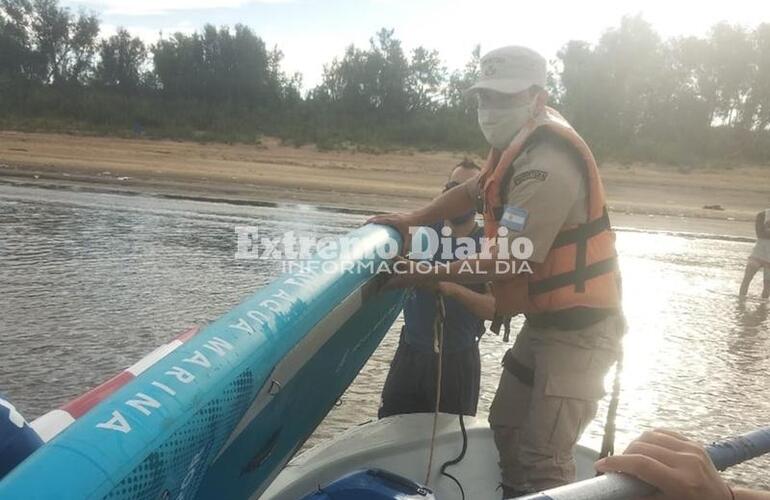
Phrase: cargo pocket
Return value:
(511, 404)
(573, 398)
(586, 387)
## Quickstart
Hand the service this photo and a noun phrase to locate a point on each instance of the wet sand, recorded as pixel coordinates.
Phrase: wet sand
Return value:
(650, 197)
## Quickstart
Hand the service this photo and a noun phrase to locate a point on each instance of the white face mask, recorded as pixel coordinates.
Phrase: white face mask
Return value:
(500, 125)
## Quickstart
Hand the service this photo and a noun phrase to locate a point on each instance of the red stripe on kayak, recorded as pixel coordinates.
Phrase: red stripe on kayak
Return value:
(78, 407)
(187, 334)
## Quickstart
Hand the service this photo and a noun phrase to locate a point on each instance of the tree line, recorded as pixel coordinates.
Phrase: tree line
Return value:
(633, 95)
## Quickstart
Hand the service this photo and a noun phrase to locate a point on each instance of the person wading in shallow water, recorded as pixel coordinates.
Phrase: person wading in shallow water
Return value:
(760, 256)
(410, 386)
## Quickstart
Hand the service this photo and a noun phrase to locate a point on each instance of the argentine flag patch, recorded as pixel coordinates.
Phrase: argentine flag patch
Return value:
(514, 218)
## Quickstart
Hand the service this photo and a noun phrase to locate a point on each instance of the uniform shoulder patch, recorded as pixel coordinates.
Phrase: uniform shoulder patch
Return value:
(530, 175)
(514, 218)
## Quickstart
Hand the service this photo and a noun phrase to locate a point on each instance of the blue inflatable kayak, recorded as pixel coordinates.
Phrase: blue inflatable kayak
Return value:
(217, 413)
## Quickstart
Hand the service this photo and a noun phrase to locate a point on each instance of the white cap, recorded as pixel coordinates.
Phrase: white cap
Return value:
(510, 70)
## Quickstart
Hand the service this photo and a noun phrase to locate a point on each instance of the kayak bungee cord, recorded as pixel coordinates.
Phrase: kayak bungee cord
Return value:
(615, 486)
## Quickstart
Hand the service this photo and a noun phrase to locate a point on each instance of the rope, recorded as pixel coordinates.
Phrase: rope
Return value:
(457, 459)
(608, 441)
(438, 347)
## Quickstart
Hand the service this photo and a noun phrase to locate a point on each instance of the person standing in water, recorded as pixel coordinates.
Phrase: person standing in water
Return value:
(760, 256)
(410, 386)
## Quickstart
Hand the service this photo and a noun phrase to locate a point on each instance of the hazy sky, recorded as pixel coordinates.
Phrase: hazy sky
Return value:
(312, 32)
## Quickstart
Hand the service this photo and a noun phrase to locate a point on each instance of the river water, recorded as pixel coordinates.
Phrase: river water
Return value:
(89, 283)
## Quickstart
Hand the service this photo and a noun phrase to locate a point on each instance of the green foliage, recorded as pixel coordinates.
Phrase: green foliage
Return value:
(17, 60)
(633, 95)
(460, 81)
(121, 59)
(637, 97)
(218, 66)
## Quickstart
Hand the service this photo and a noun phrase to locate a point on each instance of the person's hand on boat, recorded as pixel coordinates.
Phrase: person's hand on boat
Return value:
(678, 467)
(401, 222)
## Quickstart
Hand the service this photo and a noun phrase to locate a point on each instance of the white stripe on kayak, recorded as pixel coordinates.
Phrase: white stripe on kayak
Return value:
(152, 358)
(288, 367)
(52, 423)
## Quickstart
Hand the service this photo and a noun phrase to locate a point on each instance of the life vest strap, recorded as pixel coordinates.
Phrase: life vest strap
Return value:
(583, 232)
(580, 274)
(524, 374)
(574, 318)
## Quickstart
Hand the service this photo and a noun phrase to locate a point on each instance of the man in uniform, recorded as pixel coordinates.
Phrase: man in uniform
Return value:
(543, 202)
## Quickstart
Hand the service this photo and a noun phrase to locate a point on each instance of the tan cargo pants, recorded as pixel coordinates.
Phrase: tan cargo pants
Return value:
(537, 424)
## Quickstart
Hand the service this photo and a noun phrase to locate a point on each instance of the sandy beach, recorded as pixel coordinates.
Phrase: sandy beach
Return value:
(649, 197)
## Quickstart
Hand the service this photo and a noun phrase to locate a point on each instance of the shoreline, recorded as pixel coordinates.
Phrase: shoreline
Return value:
(642, 197)
(634, 222)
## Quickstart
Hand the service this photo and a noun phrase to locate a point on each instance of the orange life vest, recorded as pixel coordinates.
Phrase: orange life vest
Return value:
(580, 270)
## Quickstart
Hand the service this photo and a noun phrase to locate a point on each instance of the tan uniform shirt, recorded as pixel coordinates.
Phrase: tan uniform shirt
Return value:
(548, 183)
(537, 424)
